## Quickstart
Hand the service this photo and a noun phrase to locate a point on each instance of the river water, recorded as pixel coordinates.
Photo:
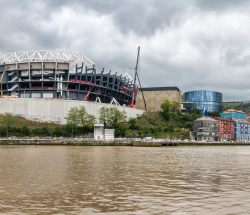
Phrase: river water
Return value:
(124, 180)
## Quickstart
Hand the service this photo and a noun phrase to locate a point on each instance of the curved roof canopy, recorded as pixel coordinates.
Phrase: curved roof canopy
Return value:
(45, 55)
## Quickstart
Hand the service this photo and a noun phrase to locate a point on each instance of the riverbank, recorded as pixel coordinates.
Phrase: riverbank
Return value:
(117, 142)
(83, 142)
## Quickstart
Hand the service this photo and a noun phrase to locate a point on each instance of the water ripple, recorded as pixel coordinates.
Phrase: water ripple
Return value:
(124, 180)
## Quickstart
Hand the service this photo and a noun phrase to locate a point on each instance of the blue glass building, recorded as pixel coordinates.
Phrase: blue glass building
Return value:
(206, 101)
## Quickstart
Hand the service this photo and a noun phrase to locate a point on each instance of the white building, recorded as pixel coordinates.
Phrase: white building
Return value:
(100, 133)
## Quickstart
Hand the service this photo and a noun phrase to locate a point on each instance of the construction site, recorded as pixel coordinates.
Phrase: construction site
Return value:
(56, 74)
(45, 84)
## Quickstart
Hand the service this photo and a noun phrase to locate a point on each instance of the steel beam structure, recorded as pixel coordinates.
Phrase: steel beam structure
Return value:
(55, 74)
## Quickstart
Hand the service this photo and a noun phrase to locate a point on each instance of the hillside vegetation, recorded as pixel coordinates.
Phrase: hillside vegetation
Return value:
(20, 127)
(167, 123)
(20, 122)
(170, 122)
(244, 106)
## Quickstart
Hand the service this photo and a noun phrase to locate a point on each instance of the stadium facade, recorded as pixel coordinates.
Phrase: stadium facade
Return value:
(44, 85)
(56, 74)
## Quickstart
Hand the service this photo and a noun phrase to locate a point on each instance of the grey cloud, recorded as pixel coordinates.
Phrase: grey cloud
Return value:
(29, 25)
(237, 57)
(21, 26)
(142, 17)
(220, 5)
(145, 17)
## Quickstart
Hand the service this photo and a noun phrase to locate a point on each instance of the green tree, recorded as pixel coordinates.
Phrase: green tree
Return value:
(25, 131)
(58, 131)
(170, 110)
(79, 121)
(2, 131)
(73, 119)
(45, 131)
(51, 128)
(85, 120)
(111, 117)
(133, 124)
(165, 109)
(175, 109)
(67, 130)
(7, 121)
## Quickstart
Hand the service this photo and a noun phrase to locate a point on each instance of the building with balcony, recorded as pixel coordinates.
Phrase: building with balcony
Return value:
(241, 130)
(205, 129)
(226, 129)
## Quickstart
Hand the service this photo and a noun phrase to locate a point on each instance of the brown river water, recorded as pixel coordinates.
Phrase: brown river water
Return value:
(125, 180)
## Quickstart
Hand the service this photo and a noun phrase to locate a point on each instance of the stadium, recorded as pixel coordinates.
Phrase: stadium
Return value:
(56, 74)
(30, 76)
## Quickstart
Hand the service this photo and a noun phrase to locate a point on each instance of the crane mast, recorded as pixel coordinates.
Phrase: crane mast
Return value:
(137, 78)
(136, 66)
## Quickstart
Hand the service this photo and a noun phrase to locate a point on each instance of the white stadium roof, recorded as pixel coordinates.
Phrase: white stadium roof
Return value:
(45, 55)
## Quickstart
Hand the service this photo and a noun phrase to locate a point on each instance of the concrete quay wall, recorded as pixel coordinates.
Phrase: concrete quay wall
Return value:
(79, 142)
(116, 142)
(55, 110)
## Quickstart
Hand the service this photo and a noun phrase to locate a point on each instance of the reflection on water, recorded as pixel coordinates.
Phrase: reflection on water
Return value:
(124, 180)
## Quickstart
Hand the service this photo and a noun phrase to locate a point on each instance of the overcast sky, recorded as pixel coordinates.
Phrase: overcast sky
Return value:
(191, 44)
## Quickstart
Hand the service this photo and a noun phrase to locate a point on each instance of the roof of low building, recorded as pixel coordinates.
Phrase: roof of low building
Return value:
(233, 111)
(206, 118)
(241, 121)
(223, 119)
(159, 89)
(202, 91)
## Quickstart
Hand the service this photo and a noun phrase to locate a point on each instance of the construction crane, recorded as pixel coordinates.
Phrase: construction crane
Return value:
(86, 98)
(139, 82)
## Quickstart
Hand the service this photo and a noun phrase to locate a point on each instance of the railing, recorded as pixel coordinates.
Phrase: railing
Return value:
(12, 88)
(81, 82)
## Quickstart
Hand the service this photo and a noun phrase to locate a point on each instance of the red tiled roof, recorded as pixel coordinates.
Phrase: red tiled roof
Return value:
(233, 110)
(241, 121)
(222, 119)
